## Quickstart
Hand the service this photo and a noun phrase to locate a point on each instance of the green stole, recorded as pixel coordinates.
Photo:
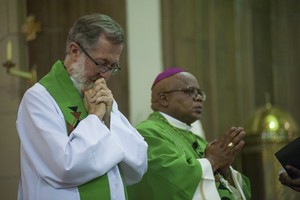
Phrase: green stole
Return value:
(61, 88)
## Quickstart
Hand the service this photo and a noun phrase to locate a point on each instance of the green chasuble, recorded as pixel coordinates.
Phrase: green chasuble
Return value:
(62, 89)
(173, 169)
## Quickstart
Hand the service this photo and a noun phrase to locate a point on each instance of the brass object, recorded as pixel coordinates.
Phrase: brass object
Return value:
(269, 129)
(31, 27)
(31, 76)
(271, 124)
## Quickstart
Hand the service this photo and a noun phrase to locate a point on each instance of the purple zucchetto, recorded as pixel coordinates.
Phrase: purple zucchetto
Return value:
(168, 72)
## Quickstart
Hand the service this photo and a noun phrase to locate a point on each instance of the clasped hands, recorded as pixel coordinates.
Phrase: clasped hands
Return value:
(222, 152)
(98, 100)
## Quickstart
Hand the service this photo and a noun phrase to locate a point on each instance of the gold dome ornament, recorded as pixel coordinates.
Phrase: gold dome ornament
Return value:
(267, 131)
(271, 124)
(30, 28)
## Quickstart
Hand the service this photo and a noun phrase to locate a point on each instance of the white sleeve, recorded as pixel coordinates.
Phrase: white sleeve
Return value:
(206, 188)
(238, 181)
(134, 164)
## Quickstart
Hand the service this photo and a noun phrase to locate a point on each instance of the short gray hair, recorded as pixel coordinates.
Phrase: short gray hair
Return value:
(87, 30)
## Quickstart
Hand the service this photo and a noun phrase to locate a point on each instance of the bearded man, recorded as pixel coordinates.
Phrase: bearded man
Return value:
(75, 143)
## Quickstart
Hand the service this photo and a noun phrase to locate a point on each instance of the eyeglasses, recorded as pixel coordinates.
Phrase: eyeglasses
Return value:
(100, 67)
(191, 91)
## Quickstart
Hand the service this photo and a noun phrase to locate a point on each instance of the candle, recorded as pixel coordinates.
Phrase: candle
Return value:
(9, 51)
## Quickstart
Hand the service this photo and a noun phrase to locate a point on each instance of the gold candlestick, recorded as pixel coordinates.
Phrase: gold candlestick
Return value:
(31, 76)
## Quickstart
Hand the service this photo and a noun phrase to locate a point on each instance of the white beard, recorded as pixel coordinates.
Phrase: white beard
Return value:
(79, 76)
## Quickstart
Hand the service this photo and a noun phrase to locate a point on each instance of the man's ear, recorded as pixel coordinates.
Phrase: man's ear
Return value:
(163, 100)
(74, 51)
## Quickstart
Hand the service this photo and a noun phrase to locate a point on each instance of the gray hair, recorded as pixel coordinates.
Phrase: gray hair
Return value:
(87, 30)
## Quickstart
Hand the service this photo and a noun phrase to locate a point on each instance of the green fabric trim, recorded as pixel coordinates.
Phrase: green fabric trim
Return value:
(246, 187)
(89, 191)
(61, 88)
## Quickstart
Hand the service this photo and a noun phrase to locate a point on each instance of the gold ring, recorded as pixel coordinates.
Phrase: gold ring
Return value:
(230, 145)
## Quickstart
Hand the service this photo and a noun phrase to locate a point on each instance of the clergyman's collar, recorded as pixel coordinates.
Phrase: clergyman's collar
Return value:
(176, 122)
